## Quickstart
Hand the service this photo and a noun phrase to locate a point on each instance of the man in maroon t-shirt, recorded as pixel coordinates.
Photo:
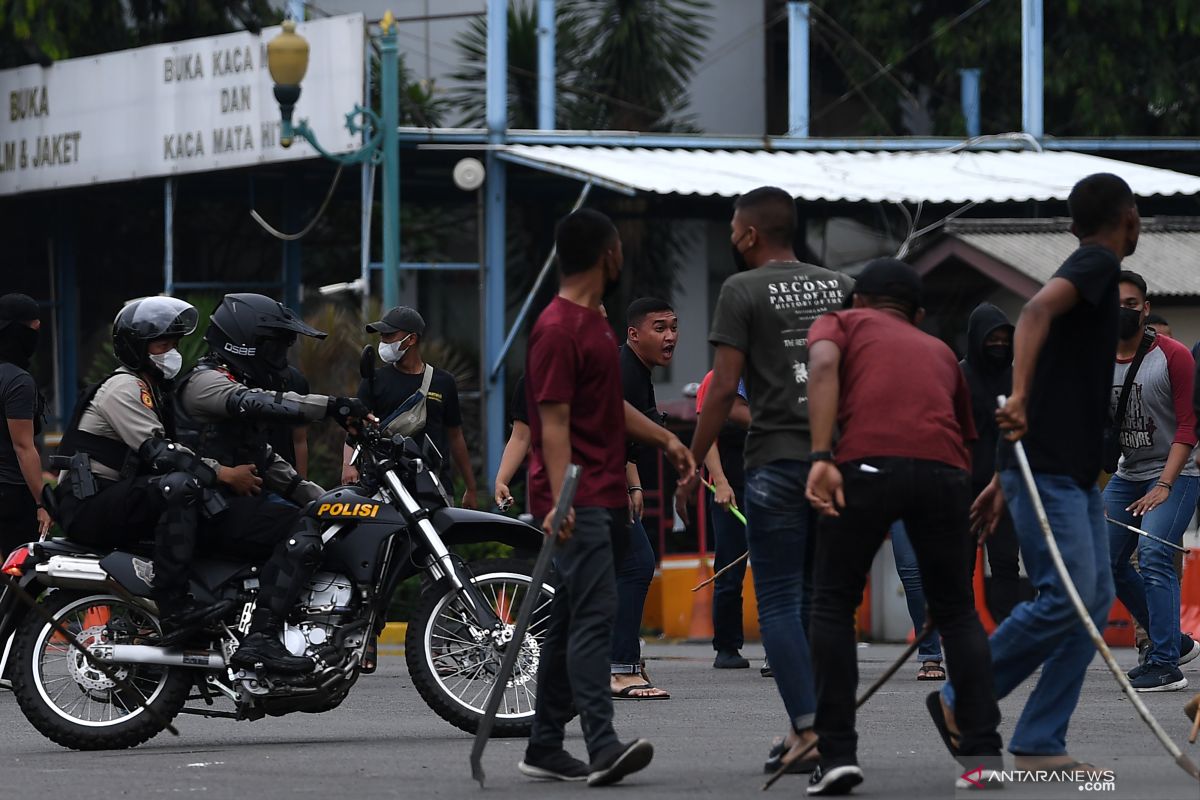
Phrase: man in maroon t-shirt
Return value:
(578, 414)
(904, 411)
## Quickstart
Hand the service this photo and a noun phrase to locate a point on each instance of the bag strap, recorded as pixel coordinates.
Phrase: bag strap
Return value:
(427, 381)
(1148, 336)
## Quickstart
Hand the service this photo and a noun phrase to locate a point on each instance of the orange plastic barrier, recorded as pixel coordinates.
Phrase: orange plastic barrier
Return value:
(1189, 594)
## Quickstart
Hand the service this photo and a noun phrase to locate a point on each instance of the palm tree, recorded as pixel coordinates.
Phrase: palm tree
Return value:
(620, 64)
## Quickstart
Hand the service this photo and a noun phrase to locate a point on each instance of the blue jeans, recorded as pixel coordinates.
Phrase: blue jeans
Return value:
(1046, 632)
(914, 594)
(635, 571)
(779, 522)
(730, 537)
(1150, 592)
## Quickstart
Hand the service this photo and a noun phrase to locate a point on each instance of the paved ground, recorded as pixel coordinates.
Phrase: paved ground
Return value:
(710, 740)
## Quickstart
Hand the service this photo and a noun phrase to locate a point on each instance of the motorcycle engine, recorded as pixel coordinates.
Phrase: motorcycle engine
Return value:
(325, 604)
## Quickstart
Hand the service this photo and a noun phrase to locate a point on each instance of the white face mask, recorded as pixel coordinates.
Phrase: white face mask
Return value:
(169, 363)
(391, 352)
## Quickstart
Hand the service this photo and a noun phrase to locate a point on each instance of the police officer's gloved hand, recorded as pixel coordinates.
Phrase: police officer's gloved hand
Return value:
(344, 409)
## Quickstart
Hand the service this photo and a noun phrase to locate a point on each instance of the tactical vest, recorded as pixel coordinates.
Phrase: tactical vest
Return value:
(112, 453)
(229, 440)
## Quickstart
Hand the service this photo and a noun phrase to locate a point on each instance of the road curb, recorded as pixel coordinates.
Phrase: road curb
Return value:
(394, 633)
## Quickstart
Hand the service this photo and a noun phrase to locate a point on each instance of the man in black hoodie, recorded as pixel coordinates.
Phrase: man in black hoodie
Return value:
(988, 369)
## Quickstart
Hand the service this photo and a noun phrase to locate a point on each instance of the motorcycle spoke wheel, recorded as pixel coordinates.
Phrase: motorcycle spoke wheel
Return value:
(74, 689)
(464, 659)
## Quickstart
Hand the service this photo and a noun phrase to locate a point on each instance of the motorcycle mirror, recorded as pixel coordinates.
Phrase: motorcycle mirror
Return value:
(432, 456)
(366, 363)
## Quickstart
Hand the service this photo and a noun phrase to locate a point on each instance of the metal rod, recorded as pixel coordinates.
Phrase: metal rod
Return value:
(786, 762)
(537, 284)
(1141, 532)
(389, 93)
(798, 21)
(495, 233)
(969, 97)
(541, 569)
(366, 201)
(476, 136)
(1180, 757)
(169, 236)
(1032, 67)
(546, 67)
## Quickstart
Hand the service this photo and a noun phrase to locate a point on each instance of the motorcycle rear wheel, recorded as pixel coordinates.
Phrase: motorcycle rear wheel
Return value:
(75, 705)
(453, 665)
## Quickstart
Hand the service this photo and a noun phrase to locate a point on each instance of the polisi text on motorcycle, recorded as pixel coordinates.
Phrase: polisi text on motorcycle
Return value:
(363, 509)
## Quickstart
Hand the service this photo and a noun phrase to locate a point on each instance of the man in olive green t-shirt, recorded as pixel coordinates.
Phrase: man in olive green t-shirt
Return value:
(760, 328)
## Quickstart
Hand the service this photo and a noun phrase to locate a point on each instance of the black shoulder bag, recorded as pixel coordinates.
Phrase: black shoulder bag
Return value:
(1112, 434)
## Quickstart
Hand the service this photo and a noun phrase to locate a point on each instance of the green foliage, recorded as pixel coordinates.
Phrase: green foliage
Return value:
(1112, 67)
(40, 31)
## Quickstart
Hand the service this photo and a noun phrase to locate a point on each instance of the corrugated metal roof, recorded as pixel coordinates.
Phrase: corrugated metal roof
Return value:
(937, 177)
(1167, 256)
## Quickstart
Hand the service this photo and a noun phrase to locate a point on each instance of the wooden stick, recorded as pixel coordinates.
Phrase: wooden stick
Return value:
(722, 571)
(1195, 728)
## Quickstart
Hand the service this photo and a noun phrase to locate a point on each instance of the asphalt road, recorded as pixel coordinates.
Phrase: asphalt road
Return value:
(710, 740)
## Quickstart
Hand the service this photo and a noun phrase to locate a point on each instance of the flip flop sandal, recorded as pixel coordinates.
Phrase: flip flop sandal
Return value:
(1065, 769)
(934, 704)
(627, 693)
(931, 672)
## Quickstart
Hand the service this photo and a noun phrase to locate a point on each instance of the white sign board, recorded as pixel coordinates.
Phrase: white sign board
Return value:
(192, 106)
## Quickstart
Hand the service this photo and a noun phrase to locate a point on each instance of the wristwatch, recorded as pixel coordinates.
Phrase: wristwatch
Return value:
(820, 455)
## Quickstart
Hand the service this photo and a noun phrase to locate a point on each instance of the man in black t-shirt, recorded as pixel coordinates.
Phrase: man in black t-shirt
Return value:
(1065, 346)
(22, 517)
(650, 342)
(400, 334)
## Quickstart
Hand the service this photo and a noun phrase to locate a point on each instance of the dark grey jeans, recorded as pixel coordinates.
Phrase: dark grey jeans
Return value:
(573, 673)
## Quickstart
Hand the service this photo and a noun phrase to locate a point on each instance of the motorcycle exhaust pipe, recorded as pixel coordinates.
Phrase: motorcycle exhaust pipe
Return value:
(72, 572)
(163, 656)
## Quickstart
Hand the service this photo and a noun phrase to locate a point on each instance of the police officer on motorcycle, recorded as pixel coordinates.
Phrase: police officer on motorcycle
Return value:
(225, 407)
(125, 477)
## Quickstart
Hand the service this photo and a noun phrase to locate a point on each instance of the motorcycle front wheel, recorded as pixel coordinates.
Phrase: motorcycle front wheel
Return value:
(70, 701)
(453, 662)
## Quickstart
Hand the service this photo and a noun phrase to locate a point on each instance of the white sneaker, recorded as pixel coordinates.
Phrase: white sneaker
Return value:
(1190, 653)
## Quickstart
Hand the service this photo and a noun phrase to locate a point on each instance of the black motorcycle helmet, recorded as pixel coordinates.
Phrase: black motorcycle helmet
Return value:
(142, 321)
(251, 334)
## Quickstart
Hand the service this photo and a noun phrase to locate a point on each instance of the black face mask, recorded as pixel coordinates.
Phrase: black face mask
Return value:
(18, 342)
(998, 355)
(739, 259)
(1129, 322)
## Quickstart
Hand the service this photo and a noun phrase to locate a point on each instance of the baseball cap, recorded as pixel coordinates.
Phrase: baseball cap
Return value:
(400, 318)
(17, 307)
(889, 277)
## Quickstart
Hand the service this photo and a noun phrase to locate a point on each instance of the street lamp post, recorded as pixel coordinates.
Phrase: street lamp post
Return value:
(287, 60)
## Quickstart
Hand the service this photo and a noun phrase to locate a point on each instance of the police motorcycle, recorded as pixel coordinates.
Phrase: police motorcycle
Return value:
(397, 524)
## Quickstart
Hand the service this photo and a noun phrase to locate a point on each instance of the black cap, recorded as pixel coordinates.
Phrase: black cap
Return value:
(400, 318)
(18, 308)
(889, 277)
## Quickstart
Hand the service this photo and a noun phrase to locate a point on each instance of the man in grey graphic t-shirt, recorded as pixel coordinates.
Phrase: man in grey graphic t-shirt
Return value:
(760, 328)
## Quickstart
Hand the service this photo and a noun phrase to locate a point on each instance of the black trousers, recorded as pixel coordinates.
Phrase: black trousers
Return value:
(933, 500)
(126, 513)
(1003, 554)
(18, 517)
(574, 664)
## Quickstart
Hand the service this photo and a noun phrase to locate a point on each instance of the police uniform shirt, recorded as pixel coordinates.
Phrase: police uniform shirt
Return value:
(125, 409)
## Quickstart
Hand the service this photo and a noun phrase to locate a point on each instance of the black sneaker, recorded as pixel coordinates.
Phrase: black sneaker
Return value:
(1159, 678)
(264, 651)
(730, 659)
(557, 766)
(766, 670)
(835, 780)
(1136, 672)
(1189, 648)
(1143, 651)
(618, 761)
